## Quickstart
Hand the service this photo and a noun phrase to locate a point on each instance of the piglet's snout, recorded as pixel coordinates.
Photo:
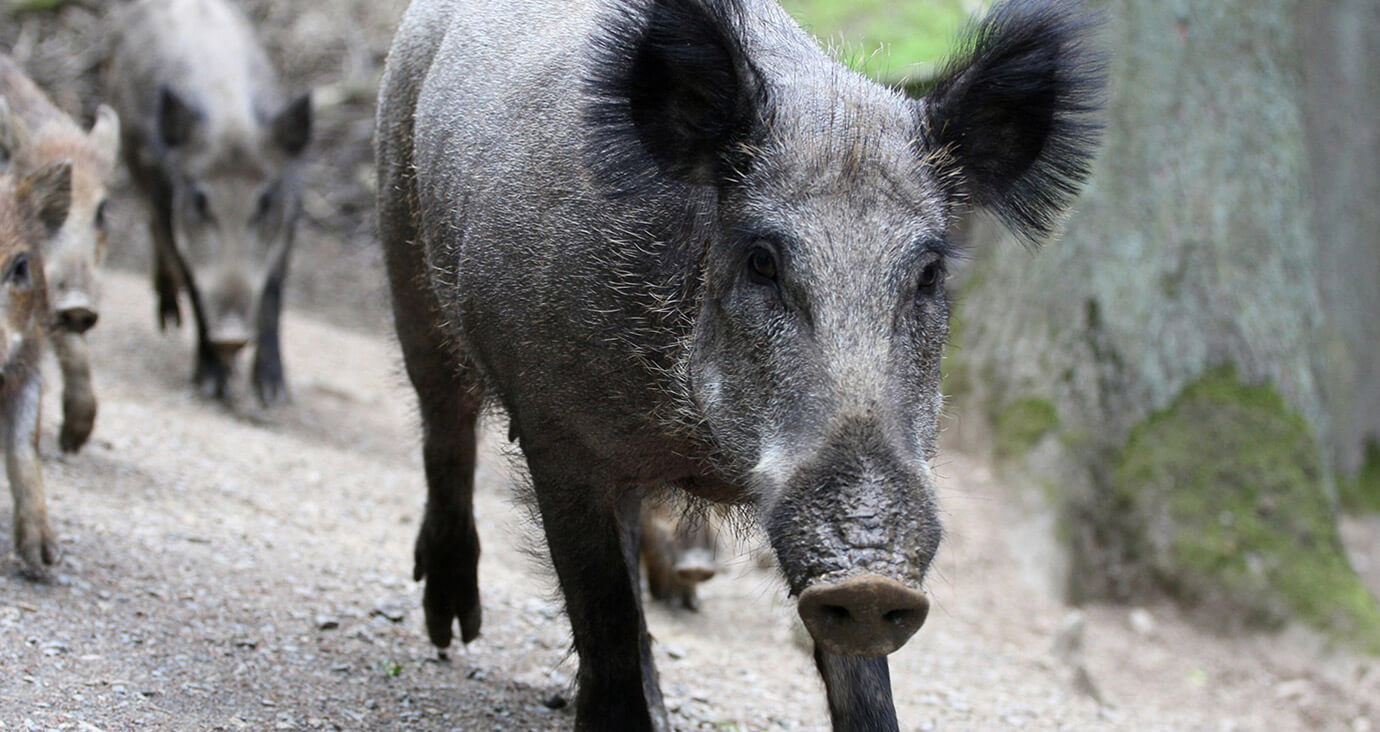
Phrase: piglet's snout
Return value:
(866, 615)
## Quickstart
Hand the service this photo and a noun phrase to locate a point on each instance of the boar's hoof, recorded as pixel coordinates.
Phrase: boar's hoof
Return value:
(268, 382)
(74, 434)
(37, 548)
(168, 312)
(869, 615)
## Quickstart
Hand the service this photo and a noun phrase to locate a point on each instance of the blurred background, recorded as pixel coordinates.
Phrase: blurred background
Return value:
(1182, 392)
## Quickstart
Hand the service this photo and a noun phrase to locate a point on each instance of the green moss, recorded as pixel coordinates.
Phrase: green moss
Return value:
(891, 41)
(1361, 493)
(1226, 491)
(1022, 423)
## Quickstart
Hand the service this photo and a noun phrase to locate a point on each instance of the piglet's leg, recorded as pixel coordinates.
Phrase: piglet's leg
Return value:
(34, 540)
(78, 399)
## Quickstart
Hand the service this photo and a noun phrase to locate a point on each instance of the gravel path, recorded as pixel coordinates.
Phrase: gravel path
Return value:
(229, 568)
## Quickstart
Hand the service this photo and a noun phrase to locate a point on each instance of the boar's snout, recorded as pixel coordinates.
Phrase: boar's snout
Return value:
(695, 566)
(75, 312)
(867, 615)
(77, 319)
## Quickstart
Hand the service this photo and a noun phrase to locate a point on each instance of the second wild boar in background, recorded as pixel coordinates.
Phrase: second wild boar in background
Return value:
(38, 133)
(214, 147)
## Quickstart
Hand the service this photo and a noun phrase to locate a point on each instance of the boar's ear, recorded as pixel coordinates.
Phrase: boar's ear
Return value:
(14, 134)
(105, 136)
(49, 192)
(671, 82)
(176, 119)
(1014, 119)
(292, 125)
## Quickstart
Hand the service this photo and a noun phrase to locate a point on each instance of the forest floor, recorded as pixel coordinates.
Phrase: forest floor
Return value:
(228, 567)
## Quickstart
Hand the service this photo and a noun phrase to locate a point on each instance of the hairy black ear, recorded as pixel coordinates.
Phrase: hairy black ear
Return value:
(292, 125)
(671, 82)
(1016, 114)
(176, 119)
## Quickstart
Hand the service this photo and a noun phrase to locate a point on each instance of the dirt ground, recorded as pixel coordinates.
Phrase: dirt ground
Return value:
(234, 568)
(231, 568)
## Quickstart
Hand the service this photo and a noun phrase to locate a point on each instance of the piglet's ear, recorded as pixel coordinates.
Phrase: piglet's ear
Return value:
(673, 83)
(48, 191)
(105, 136)
(1015, 116)
(14, 135)
(292, 126)
(177, 120)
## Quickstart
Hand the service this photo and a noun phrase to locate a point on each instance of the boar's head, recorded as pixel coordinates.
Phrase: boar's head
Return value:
(826, 207)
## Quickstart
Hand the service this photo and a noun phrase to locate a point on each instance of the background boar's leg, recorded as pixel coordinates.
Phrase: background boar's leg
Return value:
(595, 551)
(34, 539)
(78, 400)
(267, 375)
(859, 691)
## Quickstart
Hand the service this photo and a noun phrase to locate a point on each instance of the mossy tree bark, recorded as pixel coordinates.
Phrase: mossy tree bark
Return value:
(1193, 266)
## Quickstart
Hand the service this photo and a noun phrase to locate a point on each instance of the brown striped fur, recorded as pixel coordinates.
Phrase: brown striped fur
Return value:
(31, 208)
(36, 133)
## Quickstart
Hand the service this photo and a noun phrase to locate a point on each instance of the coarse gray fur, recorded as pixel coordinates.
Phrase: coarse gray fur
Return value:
(214, 146)
(680, 246)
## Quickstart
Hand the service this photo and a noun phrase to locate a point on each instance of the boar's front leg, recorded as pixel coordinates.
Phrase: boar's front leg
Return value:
(34, 539)
(78, 399)
(594, 548)
(447, 550)
(859, 692)
(267, 373)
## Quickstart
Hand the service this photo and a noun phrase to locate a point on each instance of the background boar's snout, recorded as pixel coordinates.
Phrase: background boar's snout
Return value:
(869, 615)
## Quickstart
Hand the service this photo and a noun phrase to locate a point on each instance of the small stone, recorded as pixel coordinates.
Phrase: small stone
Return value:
(555, 701)
(675, 652)
(1142, 622)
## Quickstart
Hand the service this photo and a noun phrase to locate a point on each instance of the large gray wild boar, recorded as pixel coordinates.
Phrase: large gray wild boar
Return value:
(684, 249)
(214, 147)
(37, 133)
(32, 209)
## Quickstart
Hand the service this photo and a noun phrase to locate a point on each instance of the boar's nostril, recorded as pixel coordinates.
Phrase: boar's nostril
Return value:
(77, 320)
(868, 615)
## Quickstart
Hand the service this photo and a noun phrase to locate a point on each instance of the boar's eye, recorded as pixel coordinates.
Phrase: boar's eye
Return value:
(931, 277)
(201, 204)
(761, 265)
(265, 205)
(18, 270)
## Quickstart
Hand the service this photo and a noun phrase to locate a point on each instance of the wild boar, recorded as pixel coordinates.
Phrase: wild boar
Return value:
(38, 134)
(215, 150)
(32, 210)
(679, 245)
(679, 552)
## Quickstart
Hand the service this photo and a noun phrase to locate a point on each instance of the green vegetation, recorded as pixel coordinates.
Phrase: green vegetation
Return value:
(1361, 493)
(1021, 424)
(1226, 487)
(891, 41)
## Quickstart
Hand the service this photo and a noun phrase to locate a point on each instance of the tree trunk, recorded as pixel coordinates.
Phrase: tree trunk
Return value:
(1168, 372)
